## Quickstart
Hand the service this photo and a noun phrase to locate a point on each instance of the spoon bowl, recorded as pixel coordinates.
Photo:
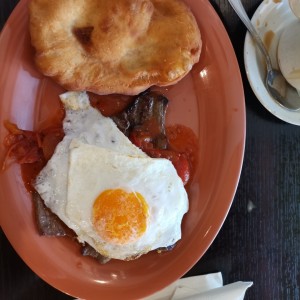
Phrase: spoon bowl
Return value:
(281, 91)
(276, 85)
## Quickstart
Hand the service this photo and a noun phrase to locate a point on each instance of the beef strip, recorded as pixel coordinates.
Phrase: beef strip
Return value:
(147, 107)
(88, 250)
(47, 222)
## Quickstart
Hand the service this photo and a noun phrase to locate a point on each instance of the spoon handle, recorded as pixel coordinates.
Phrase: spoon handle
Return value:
(240, 11)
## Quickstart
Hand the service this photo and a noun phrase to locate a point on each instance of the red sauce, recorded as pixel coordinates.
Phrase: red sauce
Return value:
(181, 150)
(50, 133)
(182, 143)
(29, 173)
(183, 140)
(110, 105)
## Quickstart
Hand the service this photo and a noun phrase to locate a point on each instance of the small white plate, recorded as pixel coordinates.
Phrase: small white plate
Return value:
(270, 19)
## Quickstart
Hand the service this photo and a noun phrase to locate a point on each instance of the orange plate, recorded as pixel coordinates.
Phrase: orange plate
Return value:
(209, 100)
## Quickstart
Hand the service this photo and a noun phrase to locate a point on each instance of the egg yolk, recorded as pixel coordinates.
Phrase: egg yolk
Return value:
(120, 217)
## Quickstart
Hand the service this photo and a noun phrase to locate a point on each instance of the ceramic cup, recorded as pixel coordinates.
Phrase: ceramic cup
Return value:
(295, 7)
(288, 54)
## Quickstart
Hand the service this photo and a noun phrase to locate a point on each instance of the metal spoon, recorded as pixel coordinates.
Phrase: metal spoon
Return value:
(275, 82)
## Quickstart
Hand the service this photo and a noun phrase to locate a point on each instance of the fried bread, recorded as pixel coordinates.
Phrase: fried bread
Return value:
(114, 46)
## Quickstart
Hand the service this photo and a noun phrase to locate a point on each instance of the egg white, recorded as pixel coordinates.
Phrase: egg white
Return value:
(93, 170)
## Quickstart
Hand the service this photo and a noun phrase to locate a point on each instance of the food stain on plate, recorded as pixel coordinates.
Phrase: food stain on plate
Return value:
(268, 38)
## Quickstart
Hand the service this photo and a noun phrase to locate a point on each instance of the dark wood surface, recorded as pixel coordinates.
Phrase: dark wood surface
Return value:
(260, 245)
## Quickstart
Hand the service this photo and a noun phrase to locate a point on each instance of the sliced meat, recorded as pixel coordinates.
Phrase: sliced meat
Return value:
(88, 250)
(47, 222)
(145, 115)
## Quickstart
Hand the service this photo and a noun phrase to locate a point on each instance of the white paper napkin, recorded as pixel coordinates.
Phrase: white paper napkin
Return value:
(204, 287)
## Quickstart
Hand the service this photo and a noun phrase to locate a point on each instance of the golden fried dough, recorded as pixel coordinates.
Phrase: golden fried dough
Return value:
(114, 46)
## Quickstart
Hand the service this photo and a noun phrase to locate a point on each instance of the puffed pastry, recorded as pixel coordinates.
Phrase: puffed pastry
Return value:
(114, 46)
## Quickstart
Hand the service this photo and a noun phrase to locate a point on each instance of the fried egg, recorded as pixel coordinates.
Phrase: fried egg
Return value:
(116, 198)
(128, 205)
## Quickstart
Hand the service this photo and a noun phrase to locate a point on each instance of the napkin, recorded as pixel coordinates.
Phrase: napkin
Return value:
(203, 287)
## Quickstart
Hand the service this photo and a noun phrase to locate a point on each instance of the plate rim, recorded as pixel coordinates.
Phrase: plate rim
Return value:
(243, 132)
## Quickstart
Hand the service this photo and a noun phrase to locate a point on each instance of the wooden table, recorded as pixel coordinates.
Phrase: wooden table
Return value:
(260, 245)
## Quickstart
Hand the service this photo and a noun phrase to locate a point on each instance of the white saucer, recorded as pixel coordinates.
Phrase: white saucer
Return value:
(270, 19)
